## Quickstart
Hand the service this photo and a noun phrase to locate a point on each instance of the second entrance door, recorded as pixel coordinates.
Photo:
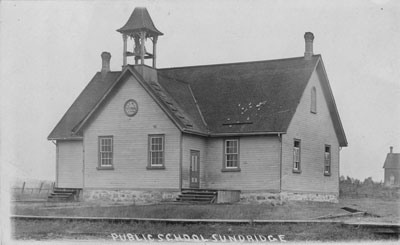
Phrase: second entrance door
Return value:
(194, 169)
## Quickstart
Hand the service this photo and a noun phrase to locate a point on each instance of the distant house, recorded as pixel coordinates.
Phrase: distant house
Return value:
(263, 128)
(392, 169)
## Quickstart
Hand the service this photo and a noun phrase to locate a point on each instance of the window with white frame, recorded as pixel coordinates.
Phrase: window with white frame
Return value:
(313, 108)
(296, 156)
(156, 151)
(231, 153)
(105, 151)
(327, 160)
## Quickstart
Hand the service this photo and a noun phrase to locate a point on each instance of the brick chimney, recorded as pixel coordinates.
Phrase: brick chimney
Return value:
(391, 149)
(105, 65)
(309, 39)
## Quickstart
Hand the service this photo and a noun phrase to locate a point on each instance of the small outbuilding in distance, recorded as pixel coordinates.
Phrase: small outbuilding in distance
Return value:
(392, 169)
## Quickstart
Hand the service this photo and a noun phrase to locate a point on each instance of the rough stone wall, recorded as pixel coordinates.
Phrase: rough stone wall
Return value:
(260, 198)
(153, 197)
(316, 197)
(129, 196)
(284, 197)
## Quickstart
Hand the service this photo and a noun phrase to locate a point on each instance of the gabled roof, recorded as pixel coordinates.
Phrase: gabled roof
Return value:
(392, 161)
(216, 100)
(140, 20)
(85, 102)
(251, 97)
(246, 97)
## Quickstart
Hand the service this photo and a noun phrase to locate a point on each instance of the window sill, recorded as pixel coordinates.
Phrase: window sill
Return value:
(155, 167)
(327, 174)
(230, 170)
(105, 168)
(296, 171)
(313, 112)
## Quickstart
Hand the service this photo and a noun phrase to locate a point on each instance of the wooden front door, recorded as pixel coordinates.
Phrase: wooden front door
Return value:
(194, 169)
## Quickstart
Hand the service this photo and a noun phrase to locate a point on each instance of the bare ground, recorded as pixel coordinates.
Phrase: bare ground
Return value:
(386, 209)
(380, 210)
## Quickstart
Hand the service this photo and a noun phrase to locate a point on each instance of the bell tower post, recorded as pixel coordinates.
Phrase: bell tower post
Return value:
(138, 29)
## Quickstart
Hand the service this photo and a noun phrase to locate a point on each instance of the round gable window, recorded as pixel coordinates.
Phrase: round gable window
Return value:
(131, 107)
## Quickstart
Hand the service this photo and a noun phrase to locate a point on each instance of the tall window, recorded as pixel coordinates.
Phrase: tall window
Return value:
(296, 156)
(327, 160)
(313, 100)
(156, 151)
(231, 154)
(105, 151)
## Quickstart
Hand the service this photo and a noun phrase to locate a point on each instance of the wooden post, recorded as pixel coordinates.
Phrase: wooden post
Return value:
(154, 50)
(23, 187)
(136, 48)
(124, 37)
(142, 51)
(40, 188)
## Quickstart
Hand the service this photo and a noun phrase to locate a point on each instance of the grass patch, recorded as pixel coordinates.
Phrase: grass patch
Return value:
(42, 230)
(295, 210)
(387, 209)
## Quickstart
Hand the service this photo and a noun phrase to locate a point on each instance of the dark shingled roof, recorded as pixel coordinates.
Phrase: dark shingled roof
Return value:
(81, 107)
(140, 20)
(392, 161)
(227, 99)
(245, 97)
(183, 101)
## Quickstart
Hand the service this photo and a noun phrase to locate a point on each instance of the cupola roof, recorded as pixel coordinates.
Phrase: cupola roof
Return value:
(140, 20)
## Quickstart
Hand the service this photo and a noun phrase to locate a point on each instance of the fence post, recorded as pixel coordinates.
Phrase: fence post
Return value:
(41, 185)
(23, 187)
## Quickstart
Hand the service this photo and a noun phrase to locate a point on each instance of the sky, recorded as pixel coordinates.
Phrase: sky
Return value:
(50, 50)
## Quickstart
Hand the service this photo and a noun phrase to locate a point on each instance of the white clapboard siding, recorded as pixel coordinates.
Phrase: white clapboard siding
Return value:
(70, 164)
(259, 164)
(130, 136)
(314, 131)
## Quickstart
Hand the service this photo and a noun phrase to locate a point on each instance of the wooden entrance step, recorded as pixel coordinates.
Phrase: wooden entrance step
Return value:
(197, 196)
(64, 194)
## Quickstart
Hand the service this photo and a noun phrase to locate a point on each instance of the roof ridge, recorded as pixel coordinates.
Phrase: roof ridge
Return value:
(235, 63)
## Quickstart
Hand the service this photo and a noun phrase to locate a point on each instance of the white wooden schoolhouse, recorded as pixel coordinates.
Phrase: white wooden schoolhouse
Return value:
(264, 129)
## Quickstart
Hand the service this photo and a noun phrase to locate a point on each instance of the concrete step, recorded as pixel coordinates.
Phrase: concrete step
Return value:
(199, 190)
(196, 197)
(193, 200)
(53, 195)
(63, 194)
(64, 191)
(198, 193)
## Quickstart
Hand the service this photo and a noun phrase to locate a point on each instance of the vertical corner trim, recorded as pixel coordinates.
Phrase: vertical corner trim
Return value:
(180, 160)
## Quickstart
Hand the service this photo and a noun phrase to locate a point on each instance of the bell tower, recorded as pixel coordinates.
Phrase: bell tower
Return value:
(139, 29)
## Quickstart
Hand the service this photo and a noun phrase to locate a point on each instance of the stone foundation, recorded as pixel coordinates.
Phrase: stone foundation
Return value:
(261, 197)
(153, 197)
(284, 197)
(129, 196)
(315, 197)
